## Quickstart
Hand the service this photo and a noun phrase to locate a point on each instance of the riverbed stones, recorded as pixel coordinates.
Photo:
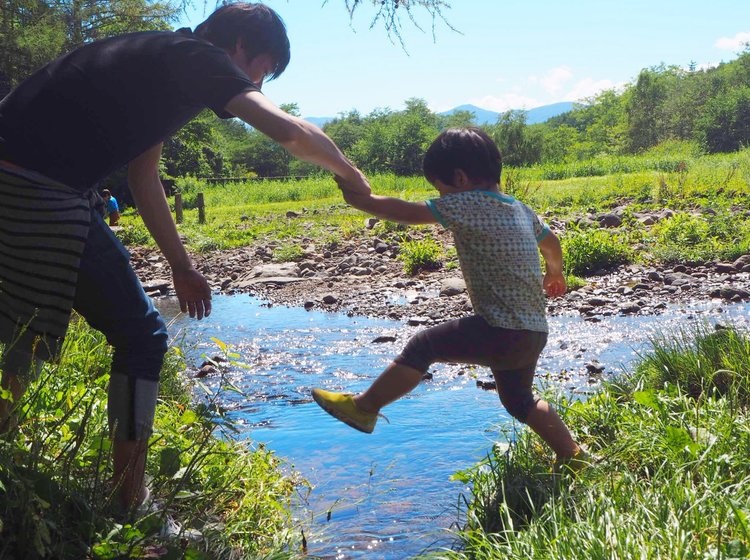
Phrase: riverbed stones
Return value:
(329, 299)
(452, 287)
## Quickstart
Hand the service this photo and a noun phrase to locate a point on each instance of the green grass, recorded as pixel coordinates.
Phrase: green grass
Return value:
(420, 254)
(55, 500)
(704, 191)
(672, 478)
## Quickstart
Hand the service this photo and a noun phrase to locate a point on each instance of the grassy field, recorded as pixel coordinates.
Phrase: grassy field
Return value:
(707, 194)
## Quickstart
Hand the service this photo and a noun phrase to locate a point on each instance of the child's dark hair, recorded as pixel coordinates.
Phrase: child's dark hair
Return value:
(469, 149)
(260, 29)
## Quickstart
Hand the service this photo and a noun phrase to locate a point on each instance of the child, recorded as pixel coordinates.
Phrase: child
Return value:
(496, 240)
(111, 208)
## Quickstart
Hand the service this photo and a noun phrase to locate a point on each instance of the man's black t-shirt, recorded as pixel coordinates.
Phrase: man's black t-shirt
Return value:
(91, 111)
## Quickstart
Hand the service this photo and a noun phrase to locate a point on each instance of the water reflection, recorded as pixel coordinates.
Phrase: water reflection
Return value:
(388, 494)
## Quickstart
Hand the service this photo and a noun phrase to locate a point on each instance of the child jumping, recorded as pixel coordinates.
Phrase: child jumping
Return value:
(496, 239)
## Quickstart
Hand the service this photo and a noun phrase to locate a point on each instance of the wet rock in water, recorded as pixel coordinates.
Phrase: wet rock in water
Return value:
(426, 376)
(630, 309)
(486, 385)
(384, 338)
(309, 305)
(417, 321)
(730, 293)
(207, 369)
(329, 299)
(452, 287)
(594, 367)
(597, 301)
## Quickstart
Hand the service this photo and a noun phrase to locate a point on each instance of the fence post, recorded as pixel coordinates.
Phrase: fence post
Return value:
(201, 208)
(178, 208)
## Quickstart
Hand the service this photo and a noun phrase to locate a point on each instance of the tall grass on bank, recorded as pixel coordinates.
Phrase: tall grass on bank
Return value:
(672, 480)
(56, 501)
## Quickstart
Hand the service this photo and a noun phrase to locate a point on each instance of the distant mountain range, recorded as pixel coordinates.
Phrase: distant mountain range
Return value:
(485, 116)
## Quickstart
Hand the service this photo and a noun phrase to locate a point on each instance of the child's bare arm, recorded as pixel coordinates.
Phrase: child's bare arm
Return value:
(554, 279)
(388, 208)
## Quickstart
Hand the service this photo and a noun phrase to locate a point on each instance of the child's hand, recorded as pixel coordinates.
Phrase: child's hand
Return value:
(357, 183)
(554, 284)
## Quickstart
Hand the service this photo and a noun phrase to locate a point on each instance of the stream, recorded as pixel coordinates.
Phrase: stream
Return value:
(389, 495)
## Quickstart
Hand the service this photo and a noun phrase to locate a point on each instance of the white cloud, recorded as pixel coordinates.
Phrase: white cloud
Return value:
(589, 87)
(735, 43)
(506, 102)
(554, 80)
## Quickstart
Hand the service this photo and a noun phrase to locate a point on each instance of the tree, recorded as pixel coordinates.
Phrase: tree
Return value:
(517, 144)
(389, 12)
(33, 32)
(725, 123)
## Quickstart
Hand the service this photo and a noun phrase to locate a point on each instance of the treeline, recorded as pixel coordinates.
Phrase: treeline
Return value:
(709, 109)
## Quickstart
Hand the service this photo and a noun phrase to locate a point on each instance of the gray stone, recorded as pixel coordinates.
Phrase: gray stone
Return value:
(329, 299)
(725, 267)
(678, 278)
(371, 222)
(452, 287)
(609, 220)
(742, 262)
(631, 309)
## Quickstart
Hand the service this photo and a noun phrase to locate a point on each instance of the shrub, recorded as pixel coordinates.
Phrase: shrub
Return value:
(420, 254)
(288, 253)
(587, 251)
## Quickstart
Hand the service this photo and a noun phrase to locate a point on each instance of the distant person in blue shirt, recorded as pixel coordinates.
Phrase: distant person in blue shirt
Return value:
(111, 208)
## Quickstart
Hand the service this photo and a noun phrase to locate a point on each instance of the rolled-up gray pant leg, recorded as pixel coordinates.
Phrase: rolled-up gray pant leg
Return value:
(130, 407)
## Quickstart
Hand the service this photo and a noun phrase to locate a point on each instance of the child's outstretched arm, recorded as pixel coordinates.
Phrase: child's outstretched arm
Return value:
(388, 208)
(554, 279)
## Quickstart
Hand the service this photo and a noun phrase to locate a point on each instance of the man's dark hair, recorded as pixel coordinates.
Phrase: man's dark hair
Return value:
(260, 29)
(469, 149)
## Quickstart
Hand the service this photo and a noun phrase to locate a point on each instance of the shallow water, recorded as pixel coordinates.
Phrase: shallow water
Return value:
(389, 494)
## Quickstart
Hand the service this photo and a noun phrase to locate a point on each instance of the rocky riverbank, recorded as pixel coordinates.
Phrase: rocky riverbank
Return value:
(364, 276)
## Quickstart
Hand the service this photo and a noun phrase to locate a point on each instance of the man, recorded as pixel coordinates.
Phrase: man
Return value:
(68, 126)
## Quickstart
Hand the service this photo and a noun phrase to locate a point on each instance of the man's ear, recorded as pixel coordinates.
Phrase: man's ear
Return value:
(237, 46)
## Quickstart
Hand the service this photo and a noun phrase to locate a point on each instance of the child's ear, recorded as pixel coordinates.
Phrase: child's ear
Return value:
(460, 179)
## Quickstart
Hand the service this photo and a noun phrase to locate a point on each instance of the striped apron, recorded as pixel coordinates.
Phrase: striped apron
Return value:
(43, 229)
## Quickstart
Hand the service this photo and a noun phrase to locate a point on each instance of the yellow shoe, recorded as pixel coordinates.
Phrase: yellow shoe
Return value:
(342, 407)
(575, 464)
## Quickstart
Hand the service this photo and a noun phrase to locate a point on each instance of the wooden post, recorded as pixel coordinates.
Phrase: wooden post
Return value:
(178, 208)
(201, 208)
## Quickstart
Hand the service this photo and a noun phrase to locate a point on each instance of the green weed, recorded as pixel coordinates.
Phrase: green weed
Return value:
(419, 254)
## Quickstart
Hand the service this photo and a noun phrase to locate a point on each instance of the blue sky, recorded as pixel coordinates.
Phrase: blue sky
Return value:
(509, 54)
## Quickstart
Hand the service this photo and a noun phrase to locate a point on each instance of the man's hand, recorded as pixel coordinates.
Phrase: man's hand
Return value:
(356, 182)
(193, 292)
(554, 284)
